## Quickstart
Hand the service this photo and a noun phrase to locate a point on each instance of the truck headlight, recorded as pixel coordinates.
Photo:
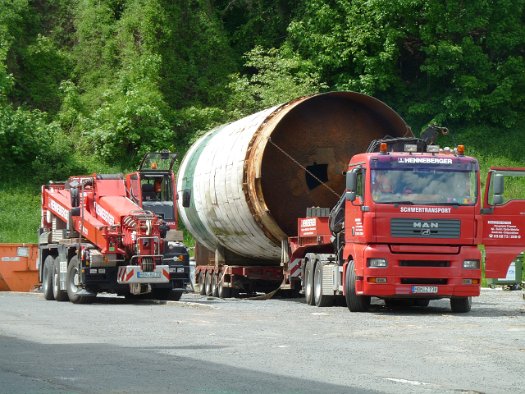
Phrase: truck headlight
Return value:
(377, 263)
(471, 264)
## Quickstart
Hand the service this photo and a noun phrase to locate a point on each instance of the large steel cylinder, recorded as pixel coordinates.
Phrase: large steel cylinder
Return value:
(251, 179)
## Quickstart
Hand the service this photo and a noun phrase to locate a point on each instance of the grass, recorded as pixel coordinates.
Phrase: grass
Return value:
(19, 212)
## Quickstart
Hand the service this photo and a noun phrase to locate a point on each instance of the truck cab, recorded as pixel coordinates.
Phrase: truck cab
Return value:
(408, 230)
(413, 222)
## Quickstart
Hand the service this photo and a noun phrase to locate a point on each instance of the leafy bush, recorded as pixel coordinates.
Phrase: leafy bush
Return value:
(275, 76)
(131, 119)
(28, 143)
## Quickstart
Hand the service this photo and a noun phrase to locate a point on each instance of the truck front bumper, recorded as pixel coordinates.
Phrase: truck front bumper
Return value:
(417, 275)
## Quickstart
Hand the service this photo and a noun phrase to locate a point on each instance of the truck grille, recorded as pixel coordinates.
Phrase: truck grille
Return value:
(416, 228)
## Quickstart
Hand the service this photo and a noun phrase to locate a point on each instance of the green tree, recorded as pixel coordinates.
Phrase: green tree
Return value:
(252, 23)
(441, 61)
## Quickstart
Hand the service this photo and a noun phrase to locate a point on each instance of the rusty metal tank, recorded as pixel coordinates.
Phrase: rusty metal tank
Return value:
(250, 180)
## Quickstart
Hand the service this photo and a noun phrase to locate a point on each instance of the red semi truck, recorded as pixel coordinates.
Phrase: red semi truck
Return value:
(100, 235)
(406, 230)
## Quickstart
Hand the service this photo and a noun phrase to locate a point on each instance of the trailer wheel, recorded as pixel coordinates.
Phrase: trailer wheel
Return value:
(47, 278)
(214, 287)
(461, 304)
(73, 283)
(309, 282)
(59, 295)
(202, 283)
(320, 300)
(207, 281)
(355, 302)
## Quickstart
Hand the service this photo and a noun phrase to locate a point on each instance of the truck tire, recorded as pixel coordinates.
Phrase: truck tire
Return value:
(207, 282)
(202, 283)
(72, 283)
(47, 278)
(320, 300)
(59, 295)
(461, 304)
(214, 287)
(309, 282)
(355, 302)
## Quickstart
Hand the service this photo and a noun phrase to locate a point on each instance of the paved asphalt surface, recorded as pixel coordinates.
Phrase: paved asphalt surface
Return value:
(208, 345)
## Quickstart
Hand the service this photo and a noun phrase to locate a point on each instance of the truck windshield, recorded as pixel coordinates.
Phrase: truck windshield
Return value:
(425, 186)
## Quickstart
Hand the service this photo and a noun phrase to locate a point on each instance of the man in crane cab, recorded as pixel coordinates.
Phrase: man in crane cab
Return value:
(157, 187)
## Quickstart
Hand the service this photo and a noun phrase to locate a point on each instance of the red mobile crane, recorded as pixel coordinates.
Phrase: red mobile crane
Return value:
(94, 238)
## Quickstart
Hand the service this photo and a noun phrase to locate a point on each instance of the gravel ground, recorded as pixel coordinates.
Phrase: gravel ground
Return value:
(279, 345)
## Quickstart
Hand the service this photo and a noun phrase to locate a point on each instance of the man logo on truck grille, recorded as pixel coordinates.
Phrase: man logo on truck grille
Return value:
(425, 225)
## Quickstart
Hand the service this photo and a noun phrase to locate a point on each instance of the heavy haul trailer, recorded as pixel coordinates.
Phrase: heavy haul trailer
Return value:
(93, 239)
(246, 184)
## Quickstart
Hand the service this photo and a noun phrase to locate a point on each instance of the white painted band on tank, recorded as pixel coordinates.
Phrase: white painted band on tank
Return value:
(217, 192)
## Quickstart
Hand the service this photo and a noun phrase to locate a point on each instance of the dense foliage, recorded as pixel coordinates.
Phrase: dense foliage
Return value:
(90, 85)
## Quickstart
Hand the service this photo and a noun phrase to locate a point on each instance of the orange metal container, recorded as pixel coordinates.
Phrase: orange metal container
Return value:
(18, 267)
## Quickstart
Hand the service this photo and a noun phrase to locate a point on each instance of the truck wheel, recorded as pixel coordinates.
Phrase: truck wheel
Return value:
(355, 302)
(202, 283)
(309, 282)
(207, 282)
(47, 278)
(214, 287)
(73, 283)
(461, 304)
(59, 295)
(320, 300)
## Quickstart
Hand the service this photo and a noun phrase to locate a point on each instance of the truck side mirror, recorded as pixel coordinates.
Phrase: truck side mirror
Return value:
(498, 186)
(351, 184)
(186, 198)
